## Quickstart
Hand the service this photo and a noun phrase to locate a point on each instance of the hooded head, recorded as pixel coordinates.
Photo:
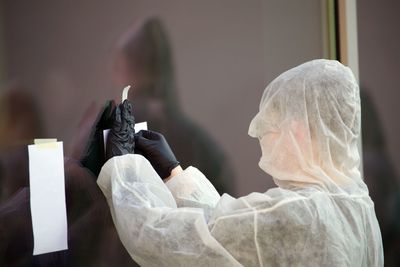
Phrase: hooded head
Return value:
(309, 128)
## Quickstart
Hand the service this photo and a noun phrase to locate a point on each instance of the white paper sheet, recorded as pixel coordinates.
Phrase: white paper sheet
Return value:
(138, 126)
(47, 197)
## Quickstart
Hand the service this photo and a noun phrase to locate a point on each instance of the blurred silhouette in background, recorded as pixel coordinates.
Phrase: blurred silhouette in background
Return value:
(382, 181)
(20, 123)
(92, 238)
(144, 60)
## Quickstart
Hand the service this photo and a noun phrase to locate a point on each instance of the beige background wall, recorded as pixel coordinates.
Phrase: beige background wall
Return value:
(225, 53)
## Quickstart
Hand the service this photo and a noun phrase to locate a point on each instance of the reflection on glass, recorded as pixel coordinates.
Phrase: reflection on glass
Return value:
(144, 59)
(381, 178)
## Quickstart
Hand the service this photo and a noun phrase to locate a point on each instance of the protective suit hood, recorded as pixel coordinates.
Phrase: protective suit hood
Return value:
(309, 128)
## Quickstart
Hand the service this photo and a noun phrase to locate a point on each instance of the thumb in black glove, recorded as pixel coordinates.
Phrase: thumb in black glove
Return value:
(154, 147)
(121, 138)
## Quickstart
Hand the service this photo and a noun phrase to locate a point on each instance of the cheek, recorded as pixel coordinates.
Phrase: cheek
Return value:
(268, 143)
(277, 151)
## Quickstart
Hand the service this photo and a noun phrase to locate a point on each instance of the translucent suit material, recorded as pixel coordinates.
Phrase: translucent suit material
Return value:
(319, 215)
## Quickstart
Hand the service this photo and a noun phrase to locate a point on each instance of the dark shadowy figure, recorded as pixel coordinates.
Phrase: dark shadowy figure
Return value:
(382, 181)
(144, 60)
(90, 228)
(93, 239)
(121, 139)
(19, 124)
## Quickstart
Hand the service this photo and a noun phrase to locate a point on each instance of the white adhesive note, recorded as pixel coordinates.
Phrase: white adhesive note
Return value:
(47, 197)
(138, 126)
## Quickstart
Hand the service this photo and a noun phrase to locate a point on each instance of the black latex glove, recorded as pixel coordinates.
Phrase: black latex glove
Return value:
(154, 147)
(94, 155)
(121, 138)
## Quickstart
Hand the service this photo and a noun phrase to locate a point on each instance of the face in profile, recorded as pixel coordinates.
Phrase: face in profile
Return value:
(285, 148)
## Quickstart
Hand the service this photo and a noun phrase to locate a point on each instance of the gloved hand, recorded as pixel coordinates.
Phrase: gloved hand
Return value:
(154, 147)
(121, 138)
(94, 155)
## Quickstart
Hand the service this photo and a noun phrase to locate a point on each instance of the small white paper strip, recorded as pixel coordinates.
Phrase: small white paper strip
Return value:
(125, 93)
(47, 197)
(138, 126)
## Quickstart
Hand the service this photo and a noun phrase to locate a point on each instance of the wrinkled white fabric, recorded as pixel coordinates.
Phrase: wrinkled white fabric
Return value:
(153, 230)
(319, 215)
(309, 128)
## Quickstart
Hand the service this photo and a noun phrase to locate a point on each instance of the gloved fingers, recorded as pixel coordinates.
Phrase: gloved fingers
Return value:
(117, 118)
(127, 105)
(142, 142)
(151, 135)
(126, 108)
(121, 139)
(123, 117)
(139, 151)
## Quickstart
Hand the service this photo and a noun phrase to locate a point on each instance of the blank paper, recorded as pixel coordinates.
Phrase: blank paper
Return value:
(47, 197)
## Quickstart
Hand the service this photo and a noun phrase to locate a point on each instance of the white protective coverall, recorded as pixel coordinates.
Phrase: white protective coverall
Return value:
(319, 215)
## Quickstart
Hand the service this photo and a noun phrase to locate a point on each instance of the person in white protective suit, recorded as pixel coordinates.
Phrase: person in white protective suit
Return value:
(320, 213)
